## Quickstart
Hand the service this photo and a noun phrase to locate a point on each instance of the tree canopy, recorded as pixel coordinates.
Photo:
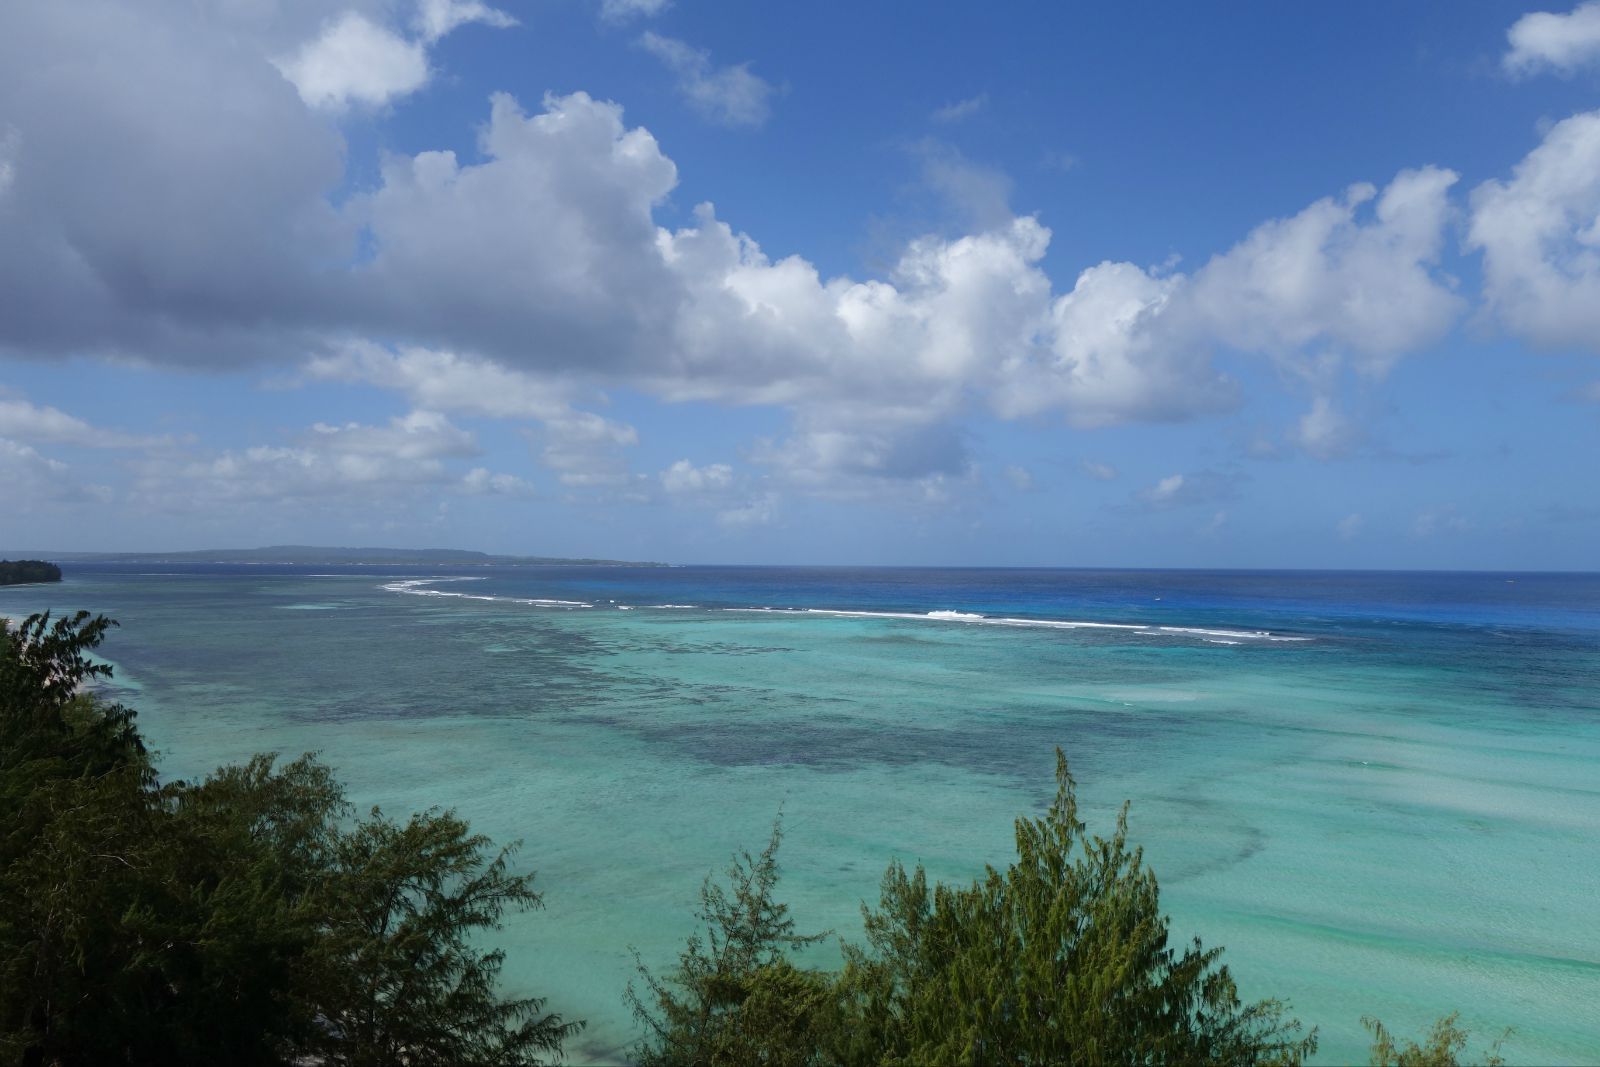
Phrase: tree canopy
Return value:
(245, 918)
(18, 571)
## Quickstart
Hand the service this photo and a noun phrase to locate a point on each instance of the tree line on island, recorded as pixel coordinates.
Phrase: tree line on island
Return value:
(253, 917)
(20, 571)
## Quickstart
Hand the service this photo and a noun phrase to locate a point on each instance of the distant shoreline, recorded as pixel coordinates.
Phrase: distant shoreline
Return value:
(306, 555)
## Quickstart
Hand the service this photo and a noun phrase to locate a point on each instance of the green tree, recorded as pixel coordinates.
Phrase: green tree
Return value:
(400, 979)
(736, 996)
(1062, 958)
(1443, 1046)
(241, 919)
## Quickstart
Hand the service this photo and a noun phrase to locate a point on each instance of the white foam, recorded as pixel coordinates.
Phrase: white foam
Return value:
(1067, 624)
(1209, 635)
(419, 587)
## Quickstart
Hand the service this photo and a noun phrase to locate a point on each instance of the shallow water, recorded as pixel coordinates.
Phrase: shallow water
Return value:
(1377, 791)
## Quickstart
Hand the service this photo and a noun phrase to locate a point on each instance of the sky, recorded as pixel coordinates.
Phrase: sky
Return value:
(1134, 284)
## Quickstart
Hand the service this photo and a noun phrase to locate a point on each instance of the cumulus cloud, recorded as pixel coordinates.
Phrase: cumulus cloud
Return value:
(1539, 233)
(518, 278)
(9, 146)
(1200, 488)
(168, 200)
(28, 422)
(961, 109)
(436, 18)
(32, 479)
(585, 449)
(550, 237)
(1127, 343)
(1165, 491)
(1020, 478)
(1325, 432)
(729, 96)
(1100, 472)
(1545, 41)
(582, 447)
(345, 465)
(480, 481)
(356, 61)
(1327, 275)
(628, 10)
(1349, 527)
(685, 477)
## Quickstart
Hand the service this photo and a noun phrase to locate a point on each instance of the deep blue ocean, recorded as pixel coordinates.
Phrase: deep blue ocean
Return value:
(1378, 791)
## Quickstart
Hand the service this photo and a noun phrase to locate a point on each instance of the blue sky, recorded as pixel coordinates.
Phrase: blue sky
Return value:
(1137, 284)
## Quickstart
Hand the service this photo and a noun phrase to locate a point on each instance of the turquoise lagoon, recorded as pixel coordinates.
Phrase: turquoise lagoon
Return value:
(1378, 791)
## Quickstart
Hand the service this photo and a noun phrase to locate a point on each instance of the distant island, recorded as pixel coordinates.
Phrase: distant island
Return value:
(22, 571)
(312, 555)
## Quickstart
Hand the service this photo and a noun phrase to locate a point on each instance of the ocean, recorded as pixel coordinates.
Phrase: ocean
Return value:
(1377, 790)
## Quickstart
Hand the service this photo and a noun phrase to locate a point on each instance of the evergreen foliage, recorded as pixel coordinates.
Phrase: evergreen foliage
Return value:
(1063, 958)
(18, 571)
(1443, 1046)
(244, 919)
(736, 997)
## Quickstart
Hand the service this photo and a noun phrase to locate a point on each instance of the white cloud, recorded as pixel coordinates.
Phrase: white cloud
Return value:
(10, 149)
(585, 449)
(443, 381)
(519, 281)
(24, 421)
(31, 479)
(685, 477)
(628, 10)
(582, 447)
(1328, 276)
(356, 61)
(1325, 432)
(1100, 472)
(1199, 488)
(419, 437)
(1110, 358)
(545, 252)
(728, 96)
(1540, 237)
(1164, 491)
(351, 465)
(1349, 527)
(1543, 40)
(436, 18)
(961, 109)
(479, 481)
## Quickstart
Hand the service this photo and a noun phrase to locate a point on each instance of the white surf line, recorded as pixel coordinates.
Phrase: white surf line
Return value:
(418, 587)
(1210, 636)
